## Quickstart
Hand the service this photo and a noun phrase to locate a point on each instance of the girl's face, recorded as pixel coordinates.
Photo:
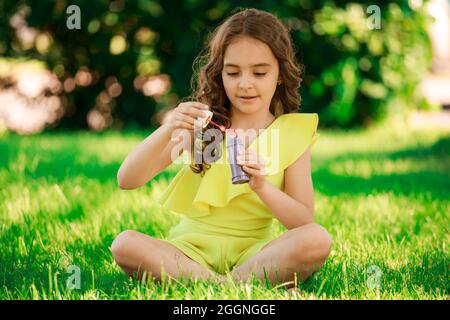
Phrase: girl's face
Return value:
(250, 70)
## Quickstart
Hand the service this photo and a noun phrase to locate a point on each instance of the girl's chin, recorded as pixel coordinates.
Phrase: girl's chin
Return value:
(247, 111)
(246, 108)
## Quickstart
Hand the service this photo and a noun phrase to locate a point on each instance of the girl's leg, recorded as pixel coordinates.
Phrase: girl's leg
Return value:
(300, 250)
(137, 253)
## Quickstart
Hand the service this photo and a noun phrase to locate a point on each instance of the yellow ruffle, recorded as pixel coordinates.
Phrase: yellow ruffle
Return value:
(280, 145)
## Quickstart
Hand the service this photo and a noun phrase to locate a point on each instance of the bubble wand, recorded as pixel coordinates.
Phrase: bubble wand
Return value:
(234, 146)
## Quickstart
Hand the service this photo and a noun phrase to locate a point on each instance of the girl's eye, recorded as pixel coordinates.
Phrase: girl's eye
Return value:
(257, 74)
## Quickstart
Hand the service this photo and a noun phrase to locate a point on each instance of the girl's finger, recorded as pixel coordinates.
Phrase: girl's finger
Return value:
(185, 118)
(195, 104)
(252, 171)
(194, 112)
(255, 166)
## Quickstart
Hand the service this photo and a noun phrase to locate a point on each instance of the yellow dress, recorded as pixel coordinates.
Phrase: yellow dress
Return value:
(223, 225)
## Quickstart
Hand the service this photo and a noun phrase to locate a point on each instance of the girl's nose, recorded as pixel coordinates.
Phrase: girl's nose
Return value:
(245, 82)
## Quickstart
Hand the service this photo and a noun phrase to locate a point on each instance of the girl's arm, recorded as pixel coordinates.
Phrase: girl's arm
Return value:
(149, 158)
(295, 206)
(157, 151)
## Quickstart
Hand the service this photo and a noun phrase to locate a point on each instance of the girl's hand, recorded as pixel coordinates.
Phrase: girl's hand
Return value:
(185, 115)
(254, 166)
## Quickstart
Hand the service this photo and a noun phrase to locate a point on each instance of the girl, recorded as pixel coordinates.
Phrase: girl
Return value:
(250, 81)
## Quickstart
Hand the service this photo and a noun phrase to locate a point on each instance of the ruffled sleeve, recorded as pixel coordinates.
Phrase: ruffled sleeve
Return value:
(287, 140)
(284, 141)
(179, 195)
(192, 195)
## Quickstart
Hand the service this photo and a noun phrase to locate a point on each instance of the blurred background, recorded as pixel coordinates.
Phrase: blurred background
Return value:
(130, 62)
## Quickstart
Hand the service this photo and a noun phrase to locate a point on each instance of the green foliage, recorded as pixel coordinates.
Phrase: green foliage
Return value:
(354, 75)
(357, 74)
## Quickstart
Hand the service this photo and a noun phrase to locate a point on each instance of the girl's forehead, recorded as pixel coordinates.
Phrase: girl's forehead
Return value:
(246, 53)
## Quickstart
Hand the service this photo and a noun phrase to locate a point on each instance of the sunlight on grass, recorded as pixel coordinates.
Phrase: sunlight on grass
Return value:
(382, 194)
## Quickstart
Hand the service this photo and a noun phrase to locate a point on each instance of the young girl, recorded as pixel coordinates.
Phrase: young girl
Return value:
(250, 81)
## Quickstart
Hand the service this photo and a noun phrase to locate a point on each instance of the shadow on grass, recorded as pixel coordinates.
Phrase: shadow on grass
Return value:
(62, 163)
(407, 184)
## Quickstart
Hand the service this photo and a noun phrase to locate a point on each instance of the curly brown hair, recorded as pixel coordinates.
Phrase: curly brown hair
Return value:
(206, 83)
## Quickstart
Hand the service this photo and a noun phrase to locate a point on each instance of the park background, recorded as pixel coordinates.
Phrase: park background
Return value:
(74, 102)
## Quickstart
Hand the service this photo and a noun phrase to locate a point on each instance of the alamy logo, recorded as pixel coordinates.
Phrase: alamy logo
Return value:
(374, 20)
(374, 275)
(74, 20)
(74, 280)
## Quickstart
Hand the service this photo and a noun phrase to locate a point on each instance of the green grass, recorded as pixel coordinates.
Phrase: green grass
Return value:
(382, 194)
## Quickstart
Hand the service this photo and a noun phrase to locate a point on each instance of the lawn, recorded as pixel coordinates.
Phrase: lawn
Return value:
(383, 195)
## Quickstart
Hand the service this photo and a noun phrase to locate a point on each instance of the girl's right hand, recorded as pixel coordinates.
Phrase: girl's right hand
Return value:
(185, 114)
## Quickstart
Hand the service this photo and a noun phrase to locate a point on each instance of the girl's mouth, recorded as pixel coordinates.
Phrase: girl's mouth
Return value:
(247, 99)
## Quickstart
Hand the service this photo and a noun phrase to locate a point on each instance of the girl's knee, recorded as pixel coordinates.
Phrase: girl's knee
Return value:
(122, 244)
(323, 237)
(314, 244)
(324, 242)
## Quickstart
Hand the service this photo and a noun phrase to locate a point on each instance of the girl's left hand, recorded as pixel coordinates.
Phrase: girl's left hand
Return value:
(254, 166)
